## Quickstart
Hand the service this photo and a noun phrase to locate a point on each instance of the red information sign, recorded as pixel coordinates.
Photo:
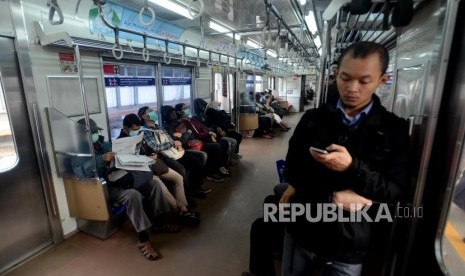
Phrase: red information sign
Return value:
(67, 63)
(110, 69)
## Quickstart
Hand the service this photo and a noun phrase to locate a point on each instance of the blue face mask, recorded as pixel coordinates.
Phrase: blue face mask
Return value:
(153, 116)
(186, 112)
(95, 137)
(133, 132)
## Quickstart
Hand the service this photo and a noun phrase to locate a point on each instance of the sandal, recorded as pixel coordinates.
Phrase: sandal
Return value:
(147, 250)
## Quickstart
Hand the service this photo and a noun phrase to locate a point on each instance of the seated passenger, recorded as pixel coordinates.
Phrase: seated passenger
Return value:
(274, 104)
(161, 170)
(149, 119)
(265, 110)
(220, 120)
(213, 147)
(200, 106)
(137, 184)
(159, 142)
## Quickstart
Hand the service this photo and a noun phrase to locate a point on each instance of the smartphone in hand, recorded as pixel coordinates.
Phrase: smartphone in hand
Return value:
(323, 151)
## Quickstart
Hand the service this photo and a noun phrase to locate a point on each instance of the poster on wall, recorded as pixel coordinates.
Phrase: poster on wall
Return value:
(67, 63)
(129, 19)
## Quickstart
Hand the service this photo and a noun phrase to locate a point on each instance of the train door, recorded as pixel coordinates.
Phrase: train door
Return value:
(220, 89)
(24, 219)
(231, 92)
(224, 89)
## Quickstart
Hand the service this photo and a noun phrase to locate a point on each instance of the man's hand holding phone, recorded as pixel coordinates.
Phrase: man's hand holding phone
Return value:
(334, 157)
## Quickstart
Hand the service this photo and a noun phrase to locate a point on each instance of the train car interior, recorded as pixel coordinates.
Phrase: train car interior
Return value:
(71, 72)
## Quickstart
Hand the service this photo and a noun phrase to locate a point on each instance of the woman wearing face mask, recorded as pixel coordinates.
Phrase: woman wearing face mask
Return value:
(217, 152)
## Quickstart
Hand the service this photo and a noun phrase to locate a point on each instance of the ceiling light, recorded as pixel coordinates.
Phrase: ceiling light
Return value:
(271, 53)
(311, 22)
(302, 2)
(253, 44)
(222, 29)
(174, 7)
(317, 41)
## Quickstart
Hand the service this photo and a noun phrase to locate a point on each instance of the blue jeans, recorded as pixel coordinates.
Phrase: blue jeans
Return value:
(298, 261)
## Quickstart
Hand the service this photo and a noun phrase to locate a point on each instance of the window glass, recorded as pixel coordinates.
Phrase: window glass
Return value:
(8, 152)
(258, 84)
(128, 88)
(176, 84)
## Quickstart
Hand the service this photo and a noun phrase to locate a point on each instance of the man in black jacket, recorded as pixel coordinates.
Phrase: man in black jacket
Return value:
(366, 162)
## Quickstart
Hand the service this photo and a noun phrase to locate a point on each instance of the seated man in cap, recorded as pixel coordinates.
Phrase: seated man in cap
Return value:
(126, 187)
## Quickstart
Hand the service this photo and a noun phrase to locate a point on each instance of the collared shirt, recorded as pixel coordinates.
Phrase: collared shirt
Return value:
(353, 121)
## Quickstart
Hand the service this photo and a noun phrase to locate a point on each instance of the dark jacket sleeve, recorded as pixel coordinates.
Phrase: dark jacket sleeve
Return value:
(391, 184)
(298, 154)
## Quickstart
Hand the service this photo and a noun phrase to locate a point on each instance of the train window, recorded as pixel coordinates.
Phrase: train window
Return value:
(258, 83)
(218, 87)
(230, 103)
(8, 152)
(128, 88)
(177, 85)
(453, 238)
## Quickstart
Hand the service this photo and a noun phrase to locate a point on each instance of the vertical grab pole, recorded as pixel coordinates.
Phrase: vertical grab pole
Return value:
(84, 104)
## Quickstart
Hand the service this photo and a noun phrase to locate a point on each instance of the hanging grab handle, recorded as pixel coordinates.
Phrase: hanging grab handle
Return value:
(152, 15)
(183, 57)
(145, 51)
(54, 7)
(117, 47)
(201, 8)
(167, 56)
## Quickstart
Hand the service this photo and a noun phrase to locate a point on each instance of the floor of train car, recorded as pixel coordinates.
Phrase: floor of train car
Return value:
(219, 246)
(453, 244)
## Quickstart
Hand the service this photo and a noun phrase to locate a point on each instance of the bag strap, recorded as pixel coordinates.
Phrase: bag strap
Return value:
(192, 125)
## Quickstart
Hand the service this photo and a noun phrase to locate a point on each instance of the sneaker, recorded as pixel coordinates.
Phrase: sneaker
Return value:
(215, 177)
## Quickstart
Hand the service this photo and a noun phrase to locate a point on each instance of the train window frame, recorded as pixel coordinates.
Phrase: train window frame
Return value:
(122, 71)
(185, 73)
(4, 102)
(421, 76)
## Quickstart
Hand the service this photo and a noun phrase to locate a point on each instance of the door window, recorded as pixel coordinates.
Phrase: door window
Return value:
(8, 151)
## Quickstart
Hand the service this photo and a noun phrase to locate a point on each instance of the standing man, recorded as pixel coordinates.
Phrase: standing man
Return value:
(366, 162)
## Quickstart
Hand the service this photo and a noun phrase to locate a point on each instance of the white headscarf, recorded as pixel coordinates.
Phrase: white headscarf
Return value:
(214, 104)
